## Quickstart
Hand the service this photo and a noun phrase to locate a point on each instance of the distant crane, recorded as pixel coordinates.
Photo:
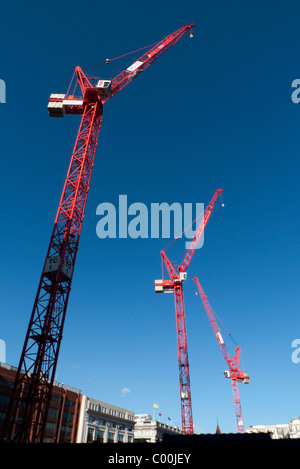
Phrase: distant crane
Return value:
(28, 409)
(175, 284)
(233, 373)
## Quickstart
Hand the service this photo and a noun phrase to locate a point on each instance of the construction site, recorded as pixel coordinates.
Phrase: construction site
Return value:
(206, 375)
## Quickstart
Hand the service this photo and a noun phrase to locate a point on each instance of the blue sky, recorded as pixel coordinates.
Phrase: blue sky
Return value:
(214, 111)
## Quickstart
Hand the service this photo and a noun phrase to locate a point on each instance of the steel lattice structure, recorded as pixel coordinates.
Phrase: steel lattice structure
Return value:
(235, 374)
(175, 284)
(27, 413)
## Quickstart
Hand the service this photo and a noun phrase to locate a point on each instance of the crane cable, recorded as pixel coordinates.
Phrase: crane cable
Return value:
(132, 52)
(194, 221)
(107, 61)
(186, 228)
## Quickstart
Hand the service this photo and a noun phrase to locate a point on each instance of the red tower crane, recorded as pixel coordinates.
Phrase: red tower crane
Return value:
(175, 284)
(234, 373)
(27, 413)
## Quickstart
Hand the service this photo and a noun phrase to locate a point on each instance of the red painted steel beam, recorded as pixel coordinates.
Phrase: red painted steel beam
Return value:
(183, 363)
(34, 381)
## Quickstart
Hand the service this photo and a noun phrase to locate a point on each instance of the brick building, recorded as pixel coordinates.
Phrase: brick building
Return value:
(63, 417)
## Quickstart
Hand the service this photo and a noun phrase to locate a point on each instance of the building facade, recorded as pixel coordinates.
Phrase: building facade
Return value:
(104, 423)
(63, 416)
(147, 430)
(285, 430)
(76, 418)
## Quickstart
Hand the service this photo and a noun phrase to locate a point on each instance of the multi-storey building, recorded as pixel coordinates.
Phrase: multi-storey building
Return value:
(104, 423)
(151, 431)
(63, 415)
(277, 431)
(76, 418)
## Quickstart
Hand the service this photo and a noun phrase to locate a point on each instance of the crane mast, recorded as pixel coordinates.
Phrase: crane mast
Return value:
(234, 373)
(28, 409)
(175, 284)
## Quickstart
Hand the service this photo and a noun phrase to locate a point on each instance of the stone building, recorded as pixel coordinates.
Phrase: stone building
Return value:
(277, 431)
(151, 431)
(104, 423)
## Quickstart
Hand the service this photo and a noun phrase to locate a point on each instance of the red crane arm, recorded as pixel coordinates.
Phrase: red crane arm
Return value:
(171, 271)
(83, 81)
(126, 77)
(233, 363)
(214, 324)
(61, 104)
(236, 359)
(199, 232)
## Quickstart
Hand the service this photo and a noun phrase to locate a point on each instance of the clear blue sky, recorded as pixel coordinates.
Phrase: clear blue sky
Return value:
(214, 111)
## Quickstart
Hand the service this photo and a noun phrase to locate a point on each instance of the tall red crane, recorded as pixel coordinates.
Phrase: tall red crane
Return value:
(234, 373)
(27, 413)
(175, 284)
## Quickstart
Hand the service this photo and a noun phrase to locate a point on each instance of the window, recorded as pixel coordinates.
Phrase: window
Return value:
(90, 435)
(99, 436)
(6, 384)
(69, 403)
(120, 438)
(111, 437)
(4, 400)
(50, 427)
(65, 430)
(52, 413)
(68, 416)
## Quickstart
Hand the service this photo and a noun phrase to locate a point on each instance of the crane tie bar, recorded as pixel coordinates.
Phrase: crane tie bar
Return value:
(128, 53)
